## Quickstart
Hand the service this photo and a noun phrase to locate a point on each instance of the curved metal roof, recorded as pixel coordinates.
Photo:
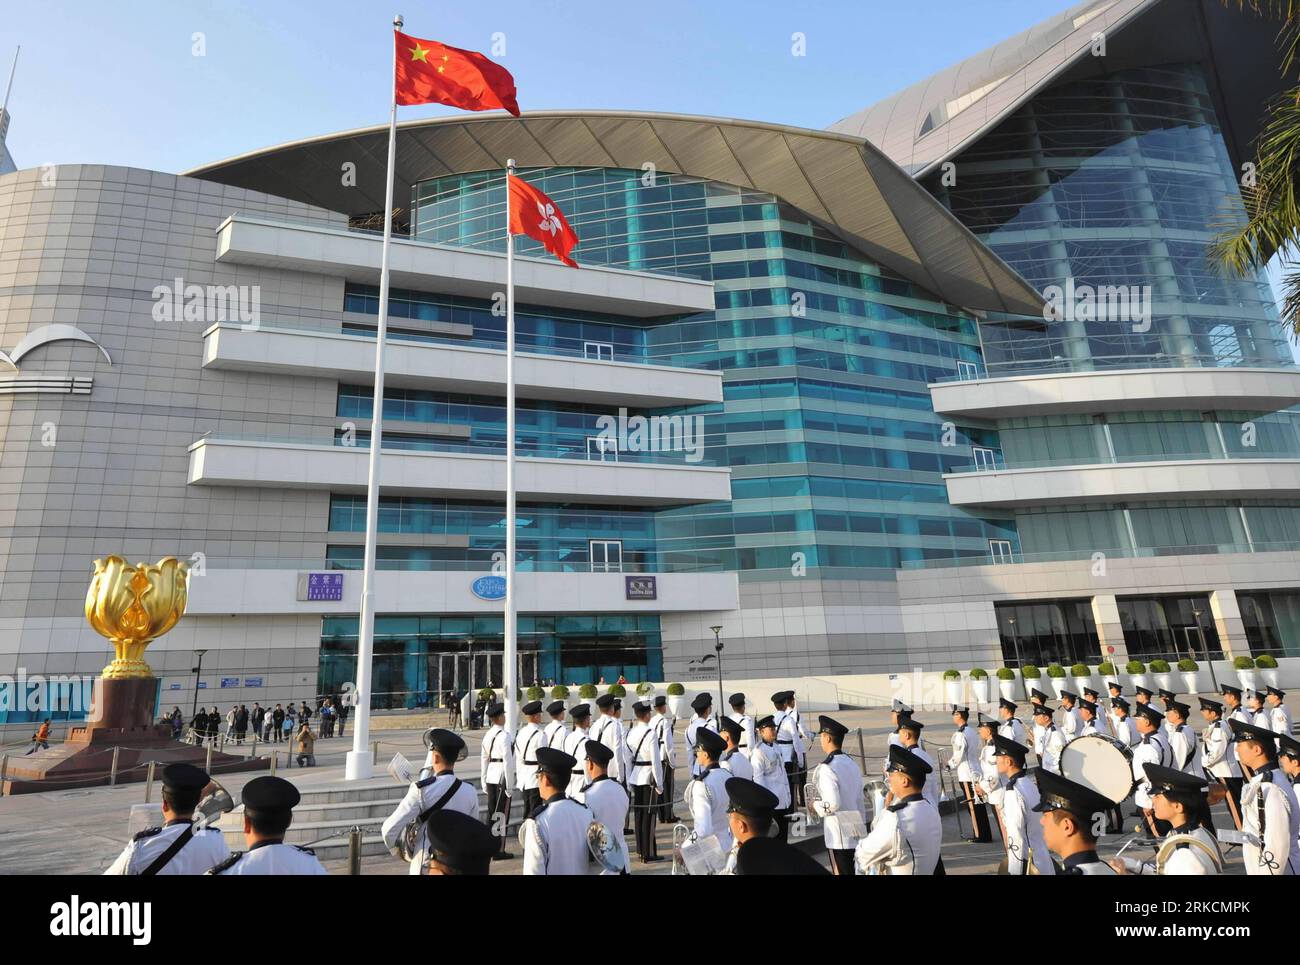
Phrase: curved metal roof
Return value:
(934, 119)
(839, 180)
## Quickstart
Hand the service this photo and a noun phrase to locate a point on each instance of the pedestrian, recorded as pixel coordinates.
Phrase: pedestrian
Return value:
(231, 716)
(255, 718)
(177, 722)
(241, 724)
(343, 716)
(306, 746)
(277, 723)
(214, 725)
(41, 739)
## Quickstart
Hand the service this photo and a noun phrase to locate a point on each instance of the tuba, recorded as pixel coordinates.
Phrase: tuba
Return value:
(608, 850)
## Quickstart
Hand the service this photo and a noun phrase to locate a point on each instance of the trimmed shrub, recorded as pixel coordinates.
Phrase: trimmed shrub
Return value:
(1106, 669)
(1159, 666)
(1266, 662)
(534, 693)
(1080, 670)
(1135, 667)
(559, 692)
(1243, 663)
(618, 690)
(645, 688)
(1055, 671)
(674, 690)
(1030, 672)
(1187, 665)
(951, 675)
(978, 673)
(587, 691)
(1006, 673)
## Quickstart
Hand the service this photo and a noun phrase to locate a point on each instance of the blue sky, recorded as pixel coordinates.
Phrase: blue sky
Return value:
(117, 82)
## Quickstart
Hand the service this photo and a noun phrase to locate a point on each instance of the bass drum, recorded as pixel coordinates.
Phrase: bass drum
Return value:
(1100, 763)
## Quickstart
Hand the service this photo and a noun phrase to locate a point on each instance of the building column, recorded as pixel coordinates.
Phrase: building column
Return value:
(1110, 632)
(1227, 622)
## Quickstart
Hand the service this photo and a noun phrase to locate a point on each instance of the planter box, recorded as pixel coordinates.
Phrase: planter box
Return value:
(1189, 680)
(1058, 684)
(952, 691)
(1247, 679)
(1270, 677)
(1081, 682)
(1137, 680)
(679, 706)
(1163, 680)
(981, 690)
(1007, 688)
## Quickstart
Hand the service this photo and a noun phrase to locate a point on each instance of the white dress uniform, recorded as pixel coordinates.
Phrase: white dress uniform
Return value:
(838, 780)
(608, 802)
(496, 762)
(529, 738)
(667, 743)
(1279, 720)
(609, 731)
(769, 771)
(1012, 729)
(1048, 749)
(271, 858)
(1123, 731)
(706, 798)
(802, 741)
(1079, 864)
(905, 839)
(205, 848)
(421, 796)
(990, 780)
(1016, 803)
(788, 739)
(1187, 859)
(738, 764)
(1148, 750)
(748, 738)
(1090, 728)
(1242, 714)
(555, 837)
(575, 745)
(695, 724)
(1270, 817)
(930, 791)
(646, 763)
(1218, 756)
(554, 734)
(1261, 718)
(965, 757)
(1071, 722)
(1182, 745)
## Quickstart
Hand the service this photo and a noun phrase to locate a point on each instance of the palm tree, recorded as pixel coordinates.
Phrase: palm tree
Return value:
(1269, 193)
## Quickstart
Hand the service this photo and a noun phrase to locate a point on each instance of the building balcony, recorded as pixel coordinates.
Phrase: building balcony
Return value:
(469, 369)
(1196, 478)
(353, 255)
(630, 481)
(275, 590)
(1118, 390)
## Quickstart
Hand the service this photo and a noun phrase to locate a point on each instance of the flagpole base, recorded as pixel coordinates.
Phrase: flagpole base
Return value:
(360, 766)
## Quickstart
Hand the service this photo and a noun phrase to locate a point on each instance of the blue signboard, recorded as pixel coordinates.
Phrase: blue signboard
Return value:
(229, 682)
(174, 687)
(203, 685)
(324, 586)
(489, 587)
(252, 681)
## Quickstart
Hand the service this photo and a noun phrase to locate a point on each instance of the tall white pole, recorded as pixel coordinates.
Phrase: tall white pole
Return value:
(510, 658)
(360, 761)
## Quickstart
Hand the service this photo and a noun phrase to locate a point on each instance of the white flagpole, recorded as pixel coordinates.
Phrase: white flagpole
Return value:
(510, 658)
(360, 760)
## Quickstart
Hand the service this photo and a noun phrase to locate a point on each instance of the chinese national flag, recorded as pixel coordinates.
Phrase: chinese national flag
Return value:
(535, 215)
(432, 73)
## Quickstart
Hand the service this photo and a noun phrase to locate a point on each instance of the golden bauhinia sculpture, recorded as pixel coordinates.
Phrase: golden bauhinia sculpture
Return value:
(133, 605)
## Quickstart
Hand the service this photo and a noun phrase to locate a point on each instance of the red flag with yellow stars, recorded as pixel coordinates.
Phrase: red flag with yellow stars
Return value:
(534, 214)
(432, 73)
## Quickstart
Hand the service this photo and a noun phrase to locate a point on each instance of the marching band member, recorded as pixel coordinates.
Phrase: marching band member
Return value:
(1091, 722)
(608, 729)
(1279, 718)
(1050, 742)
(964, 761)
(1070, 815)
(1179, 800)
(1182, 739)
(606, 799)
(733, 758)
(990, 780)
(1036, 723)
(706, 794)
(1010, 726)
(1121, 725)
(1288, 758)
(666, 723)
(748, 737)
(529, 738)
(441, 790)
(802, 741)
(557, 729)
(1218, 756)
(750, 811)
(1259, 715)
(787, 737)
(898, 712)
(1115, 693)
(458, 844)
(1071, 722)
(1025, 842)
(555, 833)
(1149, 750)
(1232, 698)
(769, 770)
(1036, 696)
(496, 765)
(160, 850)
(906, 837)
(645, 781)
(909, 732)
(702, 705)
(838, 780)
(268, 812)
(1100, 722)
(575, 745)
(1270, 813)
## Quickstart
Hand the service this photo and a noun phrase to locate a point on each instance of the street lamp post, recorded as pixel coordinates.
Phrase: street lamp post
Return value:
(717, 648)
(197, 670)
(1020, 665)
(1205, 649)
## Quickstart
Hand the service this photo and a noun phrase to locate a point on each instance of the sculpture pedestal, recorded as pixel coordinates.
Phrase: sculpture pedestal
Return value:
(120, 725)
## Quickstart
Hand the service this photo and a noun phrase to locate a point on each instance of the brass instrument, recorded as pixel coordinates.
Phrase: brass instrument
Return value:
(812, 797)
(215, 803)
(607, 849)
(682, 835)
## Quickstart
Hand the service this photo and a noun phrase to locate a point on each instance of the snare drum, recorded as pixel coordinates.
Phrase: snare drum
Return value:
(1100, 763)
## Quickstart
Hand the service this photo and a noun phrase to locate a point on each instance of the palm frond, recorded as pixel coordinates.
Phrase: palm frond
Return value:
(1287, 12)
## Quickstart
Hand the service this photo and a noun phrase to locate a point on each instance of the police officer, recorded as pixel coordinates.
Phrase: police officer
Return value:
(751, 809)
(1218, 756)
(702, 705)
(1009, 726)
(1050, 741)
(1278, 716)
(1179, 801)
(802, 741)
(555, 834)
(1232, 698)
(179, 846)
(497, 768)
(575, 745)
(1150, 749)
(666, 724)
(458, 844)
(906, 837)
(1092, 721)
(268, 812)
(441, 790)
(733, 758)
(1069, 817)
(606, 799)
(1071, 722)
(964, 762)
(706, 795)
(1270, 813)
(748, 736)
(838, 780)
(645, 780)
(1015, 802)
(1121, 725)
(909, 732)
(769, 769)
(990, 779)
(1182, 739)
(530, 737)
(608, 730)
(555, 731)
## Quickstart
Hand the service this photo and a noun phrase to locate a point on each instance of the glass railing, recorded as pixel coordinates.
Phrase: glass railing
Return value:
(1058, 364)
(1085, 556)
(683, 563)
(1093, 460)
(563, 449)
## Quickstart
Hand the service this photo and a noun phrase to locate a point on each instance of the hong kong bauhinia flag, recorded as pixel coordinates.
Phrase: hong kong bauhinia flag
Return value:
(432, 73)
(535, 215)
